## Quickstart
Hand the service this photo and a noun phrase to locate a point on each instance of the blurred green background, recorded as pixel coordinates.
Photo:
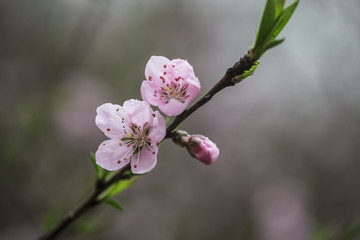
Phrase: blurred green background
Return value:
(289, 136)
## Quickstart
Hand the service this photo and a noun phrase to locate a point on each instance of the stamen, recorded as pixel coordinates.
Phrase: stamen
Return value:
(125, 155)
(138, 158)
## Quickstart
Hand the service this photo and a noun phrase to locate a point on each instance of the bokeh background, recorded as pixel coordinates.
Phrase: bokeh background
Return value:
(289, 136)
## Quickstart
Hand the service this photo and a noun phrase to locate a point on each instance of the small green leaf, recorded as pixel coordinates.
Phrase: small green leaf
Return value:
(98, 170)
(250, 72)
(282, 20)
(246, 74)
(114, 204)
(279, 24)
(117, 188)
(272, 44)
(267, 22)
(279, 6)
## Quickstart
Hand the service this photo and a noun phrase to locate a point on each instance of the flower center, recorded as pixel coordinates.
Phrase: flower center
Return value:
(137, 136)
(175, 91)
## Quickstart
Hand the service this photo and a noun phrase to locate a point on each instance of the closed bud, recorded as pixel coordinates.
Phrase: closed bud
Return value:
(203, 149)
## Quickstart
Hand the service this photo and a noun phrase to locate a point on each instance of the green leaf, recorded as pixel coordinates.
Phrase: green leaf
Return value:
(279, 6)
(97, 168)
(114, 204)
(279, 24)
(282, 20)
(251, 71)
(117, 188)
(272, 44)
(267, 22)
(246, 74)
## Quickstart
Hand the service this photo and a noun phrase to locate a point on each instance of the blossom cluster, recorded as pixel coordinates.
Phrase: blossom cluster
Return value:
(135, 129)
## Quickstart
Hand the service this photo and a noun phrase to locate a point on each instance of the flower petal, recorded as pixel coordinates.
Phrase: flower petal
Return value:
(174, 107)
(151, 95)
(194, 83)
(109, 120)
(155, 68)
(158, 130)
(111, 156)
(145, 160)
(138, 112)
(182, 68)
(193, 88)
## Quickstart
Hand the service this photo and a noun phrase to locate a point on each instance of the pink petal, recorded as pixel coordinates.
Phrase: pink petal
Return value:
(174, 107)
(193, 88)
(145, 160)
(138, 112)
(193, 82)
(155, 68)
(182, 68)
(158, 130)
(108, 119)
(148, 92)
(110, 155)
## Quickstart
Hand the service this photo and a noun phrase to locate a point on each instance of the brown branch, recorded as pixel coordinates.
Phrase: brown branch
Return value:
(245, 63)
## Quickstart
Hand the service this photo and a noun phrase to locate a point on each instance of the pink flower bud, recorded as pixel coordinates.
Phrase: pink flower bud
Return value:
(203, 149)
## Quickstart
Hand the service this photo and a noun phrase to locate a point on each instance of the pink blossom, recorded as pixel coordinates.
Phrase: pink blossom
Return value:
(203, 149)
(134, 130)
(169, 85)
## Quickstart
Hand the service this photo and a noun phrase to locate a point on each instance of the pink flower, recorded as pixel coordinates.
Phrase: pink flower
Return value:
(134, 130)
(169, 85)
(203, 149)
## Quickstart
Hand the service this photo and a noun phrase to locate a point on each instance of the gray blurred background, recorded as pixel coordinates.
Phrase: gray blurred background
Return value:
(289, 136)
